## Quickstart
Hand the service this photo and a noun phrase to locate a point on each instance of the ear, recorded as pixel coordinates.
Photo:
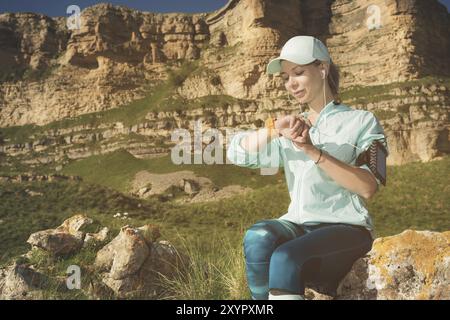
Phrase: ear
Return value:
(325, 70)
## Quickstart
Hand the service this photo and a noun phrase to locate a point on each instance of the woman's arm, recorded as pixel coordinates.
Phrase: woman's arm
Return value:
(257, 140)
(352, 178)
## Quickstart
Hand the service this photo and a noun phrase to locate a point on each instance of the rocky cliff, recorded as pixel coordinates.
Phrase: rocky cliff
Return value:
(50, 73)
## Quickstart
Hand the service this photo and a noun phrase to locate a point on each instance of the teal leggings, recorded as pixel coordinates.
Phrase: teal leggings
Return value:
(282, 255)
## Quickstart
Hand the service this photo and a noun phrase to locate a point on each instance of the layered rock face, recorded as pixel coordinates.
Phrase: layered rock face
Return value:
(415, 123)
(379, 42)
(106, 62)
(102, 65)
(51, 73)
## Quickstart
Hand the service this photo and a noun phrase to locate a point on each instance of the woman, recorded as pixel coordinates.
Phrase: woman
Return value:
(327, 226)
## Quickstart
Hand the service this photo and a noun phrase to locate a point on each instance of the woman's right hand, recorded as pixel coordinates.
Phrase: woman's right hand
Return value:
(291, 126)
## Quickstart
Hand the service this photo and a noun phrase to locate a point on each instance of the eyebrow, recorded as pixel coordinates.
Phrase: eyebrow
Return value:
(291, 69)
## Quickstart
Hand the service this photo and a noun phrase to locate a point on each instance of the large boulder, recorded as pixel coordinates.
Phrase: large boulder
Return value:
(412, 265)
(124, 255)
(131, 263)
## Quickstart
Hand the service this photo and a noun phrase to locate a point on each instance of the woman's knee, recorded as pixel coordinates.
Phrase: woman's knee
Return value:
(285, 258)
(259, 242)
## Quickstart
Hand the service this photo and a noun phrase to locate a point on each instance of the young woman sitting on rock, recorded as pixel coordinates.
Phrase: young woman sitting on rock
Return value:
(334, 158)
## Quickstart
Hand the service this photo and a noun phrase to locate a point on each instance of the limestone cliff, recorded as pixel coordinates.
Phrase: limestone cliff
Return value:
(49, 73)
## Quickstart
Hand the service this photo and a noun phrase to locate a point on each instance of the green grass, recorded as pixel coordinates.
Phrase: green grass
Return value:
(384, 114)
(22, 214)
(209, 275)
(117, 170)
(368, 93)
(417, 196)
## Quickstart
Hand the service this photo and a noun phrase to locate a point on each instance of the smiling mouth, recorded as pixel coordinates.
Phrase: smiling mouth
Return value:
(300, 93)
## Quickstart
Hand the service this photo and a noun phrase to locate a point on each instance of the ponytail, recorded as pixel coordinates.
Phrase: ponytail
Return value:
(333, 80)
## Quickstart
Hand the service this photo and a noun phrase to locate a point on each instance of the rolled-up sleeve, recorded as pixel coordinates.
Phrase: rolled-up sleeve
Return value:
(268, 157)
(371, 130)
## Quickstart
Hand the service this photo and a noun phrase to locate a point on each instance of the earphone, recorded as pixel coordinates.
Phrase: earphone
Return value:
(323, 74)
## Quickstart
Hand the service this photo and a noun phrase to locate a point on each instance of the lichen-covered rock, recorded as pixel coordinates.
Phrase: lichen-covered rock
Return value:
(410, 265)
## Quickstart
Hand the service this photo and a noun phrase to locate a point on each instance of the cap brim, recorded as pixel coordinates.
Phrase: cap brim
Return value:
(274, 65)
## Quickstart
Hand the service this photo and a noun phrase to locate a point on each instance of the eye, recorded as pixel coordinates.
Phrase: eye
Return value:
(285, 77)
(299, 73)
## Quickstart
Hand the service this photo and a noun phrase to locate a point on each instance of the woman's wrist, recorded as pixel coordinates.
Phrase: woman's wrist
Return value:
(270, 125)
(313, 152)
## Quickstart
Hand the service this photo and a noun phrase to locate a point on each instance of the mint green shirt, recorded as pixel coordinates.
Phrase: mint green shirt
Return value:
(342, 132)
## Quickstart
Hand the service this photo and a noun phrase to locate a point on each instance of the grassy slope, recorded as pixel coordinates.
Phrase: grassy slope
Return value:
(117, 170)
(403, 204)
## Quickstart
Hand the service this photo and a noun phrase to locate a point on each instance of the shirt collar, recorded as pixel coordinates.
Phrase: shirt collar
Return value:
(325, 110)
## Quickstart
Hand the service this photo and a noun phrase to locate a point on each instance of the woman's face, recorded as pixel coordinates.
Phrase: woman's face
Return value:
(304, 82)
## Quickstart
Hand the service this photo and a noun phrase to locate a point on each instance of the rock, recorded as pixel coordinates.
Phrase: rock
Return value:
(150, 233)
(32, 193)
(165, 259)
(74, 225)
(65, 239)
(124, 255)
(413, 265)
(55, 242)
(163, 183)
(20, 282)
(131, 262)
(89, 66)
(190, 187)
(94, 238)
(142, 192)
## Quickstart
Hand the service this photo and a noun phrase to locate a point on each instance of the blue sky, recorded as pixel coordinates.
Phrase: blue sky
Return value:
(58, 7)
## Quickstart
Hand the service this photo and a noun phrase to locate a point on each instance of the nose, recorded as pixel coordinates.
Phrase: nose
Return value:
(292, 83)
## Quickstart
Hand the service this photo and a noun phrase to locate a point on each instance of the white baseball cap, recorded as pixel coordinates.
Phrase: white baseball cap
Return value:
(300, 50)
